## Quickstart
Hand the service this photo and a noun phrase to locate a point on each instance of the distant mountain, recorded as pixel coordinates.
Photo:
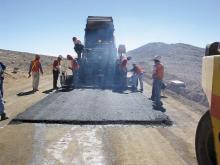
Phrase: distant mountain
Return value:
(181, 61)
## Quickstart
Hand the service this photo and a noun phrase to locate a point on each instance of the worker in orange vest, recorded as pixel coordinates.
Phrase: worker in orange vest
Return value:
(34, 70)
(138, 72)
(157, 75)
(74, 66)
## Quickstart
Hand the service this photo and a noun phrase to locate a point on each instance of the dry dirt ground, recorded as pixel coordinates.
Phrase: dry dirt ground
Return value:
(41, 144)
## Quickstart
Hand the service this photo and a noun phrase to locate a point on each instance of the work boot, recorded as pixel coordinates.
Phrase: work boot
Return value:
(3, 116)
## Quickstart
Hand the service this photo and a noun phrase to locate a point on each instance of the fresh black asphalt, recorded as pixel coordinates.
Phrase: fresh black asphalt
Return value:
(94, 106)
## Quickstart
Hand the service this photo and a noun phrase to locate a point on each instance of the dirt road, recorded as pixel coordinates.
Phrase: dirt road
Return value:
(40, 144)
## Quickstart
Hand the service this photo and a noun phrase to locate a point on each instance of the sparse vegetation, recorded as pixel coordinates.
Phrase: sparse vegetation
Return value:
(182, 62)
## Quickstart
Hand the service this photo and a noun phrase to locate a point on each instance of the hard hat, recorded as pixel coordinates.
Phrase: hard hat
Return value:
(60, 56)
(157, 58)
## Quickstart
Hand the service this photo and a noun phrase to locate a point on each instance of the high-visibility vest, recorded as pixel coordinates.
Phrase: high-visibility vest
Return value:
(35, 66)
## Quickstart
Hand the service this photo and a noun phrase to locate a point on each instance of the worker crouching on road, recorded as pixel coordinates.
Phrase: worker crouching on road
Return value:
(138, 72)
(56, 70)
(34, 71)
(78, 47)
(74, 66)
(158, 74)
(2, 108)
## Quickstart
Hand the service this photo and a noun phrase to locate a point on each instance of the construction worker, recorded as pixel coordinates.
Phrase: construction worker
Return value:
(123, 70)
(34, 71)
(78, 47)
(56, 70)
(157, 75)
(2, 108)
(3, 68)
(74, 66)
(137, 75)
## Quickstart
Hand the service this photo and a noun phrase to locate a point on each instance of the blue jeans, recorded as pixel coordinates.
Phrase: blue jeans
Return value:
(135, 79)
(2, 108)
(1, 87)
(156, 90)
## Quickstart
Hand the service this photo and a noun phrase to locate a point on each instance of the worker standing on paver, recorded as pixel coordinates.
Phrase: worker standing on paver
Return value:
(2, 108)
(74, 66)
(78, 47)
(158, 74)
(34, 70)
(3, 68)
(56, 70)
(138, 72)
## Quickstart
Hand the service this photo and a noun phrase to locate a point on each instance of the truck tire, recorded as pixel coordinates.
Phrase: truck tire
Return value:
(205, 149)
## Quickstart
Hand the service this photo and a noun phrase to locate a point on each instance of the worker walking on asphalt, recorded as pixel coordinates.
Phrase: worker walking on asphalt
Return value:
(137, 76)
(158, 74)
(78, 47)
(3, 68)
(56, 70)
(74, 66)
(2, 108)
(34, 71)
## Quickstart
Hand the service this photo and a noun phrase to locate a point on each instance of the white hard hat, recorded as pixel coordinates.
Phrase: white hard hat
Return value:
(157, 58)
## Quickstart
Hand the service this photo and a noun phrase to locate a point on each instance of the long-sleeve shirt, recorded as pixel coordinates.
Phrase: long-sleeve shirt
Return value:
(158, 71)
(56, 65)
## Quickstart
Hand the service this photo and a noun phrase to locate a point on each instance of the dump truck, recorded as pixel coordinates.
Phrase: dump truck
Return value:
(100, 53)
(207, 142)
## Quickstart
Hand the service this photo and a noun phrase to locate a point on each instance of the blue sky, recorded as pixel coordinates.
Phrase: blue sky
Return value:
(47, 26)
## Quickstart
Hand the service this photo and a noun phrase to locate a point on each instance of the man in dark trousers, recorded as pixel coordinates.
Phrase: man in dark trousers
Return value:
(56, 70)
(78, 47)
(3, 67)
(2, 108)
(157, 75)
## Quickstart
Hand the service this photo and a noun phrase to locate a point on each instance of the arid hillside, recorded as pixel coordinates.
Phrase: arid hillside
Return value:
(182, 62)
(20, 61)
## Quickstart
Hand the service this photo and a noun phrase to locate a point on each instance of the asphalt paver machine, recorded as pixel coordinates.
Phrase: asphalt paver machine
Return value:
(100, 53)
